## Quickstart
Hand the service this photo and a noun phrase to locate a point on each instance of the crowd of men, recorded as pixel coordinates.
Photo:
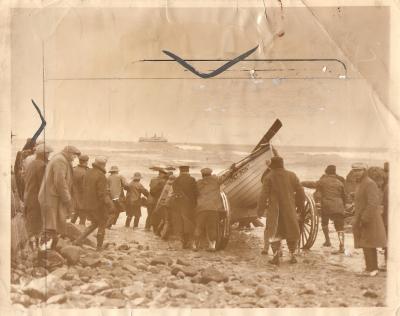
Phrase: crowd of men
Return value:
(54, 191)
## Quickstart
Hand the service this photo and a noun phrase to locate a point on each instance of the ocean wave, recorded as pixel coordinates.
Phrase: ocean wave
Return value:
(189, 147)
(240, 153)
(350, 155)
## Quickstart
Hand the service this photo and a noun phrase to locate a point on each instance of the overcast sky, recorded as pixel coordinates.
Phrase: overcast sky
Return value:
(316, 106)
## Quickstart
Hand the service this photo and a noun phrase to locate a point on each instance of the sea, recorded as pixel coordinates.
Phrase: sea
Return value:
(308, 163)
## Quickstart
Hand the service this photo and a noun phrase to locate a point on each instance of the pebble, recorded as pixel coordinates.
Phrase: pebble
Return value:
(71, 254)
(261, 291)
(211, 274)
(161, 260)
(95, 287)
(44, 288)
(370, 293)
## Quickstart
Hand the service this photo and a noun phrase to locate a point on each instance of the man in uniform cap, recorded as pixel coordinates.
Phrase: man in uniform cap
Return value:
(209, 203)
(368, 227)
(283, 193)
(185, 189)
(116, 184)
(55, 195)
(33, 178)
(96, 200)
(77, 189)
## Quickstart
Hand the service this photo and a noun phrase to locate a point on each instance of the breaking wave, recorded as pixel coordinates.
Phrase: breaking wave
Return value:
(189, 147)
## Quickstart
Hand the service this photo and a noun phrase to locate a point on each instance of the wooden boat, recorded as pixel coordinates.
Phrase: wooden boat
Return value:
(241, 188)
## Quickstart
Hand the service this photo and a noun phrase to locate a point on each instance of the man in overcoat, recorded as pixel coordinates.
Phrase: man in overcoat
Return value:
(33, 179)
(77, 190)
(185, 190)
(96, 200)
(209, 204)
(156, 187)
(55, 195)
(283, 193)
(368, 227)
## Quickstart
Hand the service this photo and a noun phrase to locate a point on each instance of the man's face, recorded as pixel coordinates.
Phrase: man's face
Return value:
(358, 174)
(83, 163)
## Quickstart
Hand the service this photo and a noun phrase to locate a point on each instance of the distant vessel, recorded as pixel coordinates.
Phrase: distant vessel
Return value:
(153, 139)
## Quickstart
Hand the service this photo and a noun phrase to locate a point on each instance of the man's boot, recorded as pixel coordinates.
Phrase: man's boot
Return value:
(266, 243)
(100, 239)
(211, 246)
(128, 221)
(327, 242)
(276, 250)
(341, 244)
(196, 244)
(292, 257)
(86, 233)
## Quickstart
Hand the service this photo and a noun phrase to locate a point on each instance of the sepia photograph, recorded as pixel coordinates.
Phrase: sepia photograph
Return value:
(213, 155)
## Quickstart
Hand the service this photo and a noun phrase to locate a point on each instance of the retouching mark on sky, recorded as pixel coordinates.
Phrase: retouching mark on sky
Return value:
(215, 72)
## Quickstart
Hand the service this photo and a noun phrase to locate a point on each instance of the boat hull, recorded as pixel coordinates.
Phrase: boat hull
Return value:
(243, 186)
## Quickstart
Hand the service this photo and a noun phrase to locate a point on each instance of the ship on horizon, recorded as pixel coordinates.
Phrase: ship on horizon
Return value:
(153, 139)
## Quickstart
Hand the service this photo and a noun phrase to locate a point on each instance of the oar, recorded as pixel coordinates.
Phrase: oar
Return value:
(269, 134)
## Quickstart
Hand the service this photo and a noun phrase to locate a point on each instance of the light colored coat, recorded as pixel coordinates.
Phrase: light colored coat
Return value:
(55, 193)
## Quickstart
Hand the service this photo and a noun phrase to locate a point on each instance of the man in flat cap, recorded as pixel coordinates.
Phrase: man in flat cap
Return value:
(330, 190)
(77, 190)
(368, 227)
(135, 190)
(283, 193)
(33, 179)
(55, 195)
(116, 184)
(185, 189)
(209, 203)
(96, 200)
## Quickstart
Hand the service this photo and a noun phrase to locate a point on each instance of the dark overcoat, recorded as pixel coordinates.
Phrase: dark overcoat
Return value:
(77, 188)
(368, 227)
(33, 179)
(96, 196)
(185, 190)
(283, 192)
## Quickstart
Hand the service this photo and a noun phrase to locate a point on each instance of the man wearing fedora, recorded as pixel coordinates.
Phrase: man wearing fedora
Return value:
(185, 190)
(33, 178)
(77, 190)
(97, 200)
(135, 190)
(282, 192)
(209, 204)
(55, 196)
(116, 185)
(368, 227)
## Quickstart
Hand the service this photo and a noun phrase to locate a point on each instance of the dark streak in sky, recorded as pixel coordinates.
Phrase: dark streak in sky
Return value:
(214, 73)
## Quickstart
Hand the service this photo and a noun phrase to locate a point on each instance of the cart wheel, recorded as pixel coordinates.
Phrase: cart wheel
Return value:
(309, 221)
(224, 225)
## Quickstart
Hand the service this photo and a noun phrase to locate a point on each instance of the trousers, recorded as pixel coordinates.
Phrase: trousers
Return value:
(206, 221)
(371, 259)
